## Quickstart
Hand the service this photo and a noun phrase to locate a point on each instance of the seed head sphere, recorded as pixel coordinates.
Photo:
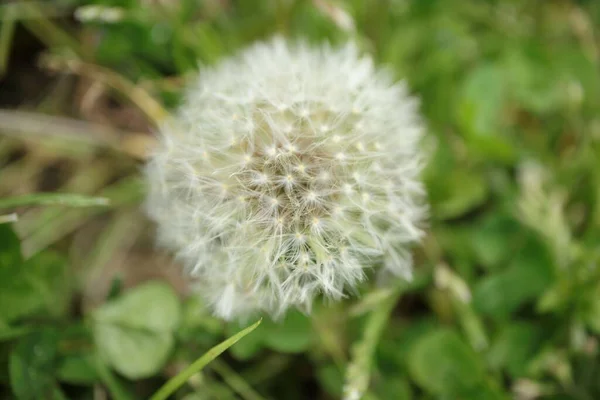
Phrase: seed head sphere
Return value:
(287, 172)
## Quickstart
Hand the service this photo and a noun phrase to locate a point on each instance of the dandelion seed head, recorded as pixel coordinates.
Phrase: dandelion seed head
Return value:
(288, 171)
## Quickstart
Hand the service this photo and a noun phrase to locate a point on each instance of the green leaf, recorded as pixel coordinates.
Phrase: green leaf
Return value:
(9, 333)
(37, 285)
(198, 326)
(515, 345)
(501, 294)
(53, 199)
(397, 350)
(78, 370)
(481, 105)
(591, 309)
(485, 391)
(442, 363)
(394, 387)
(32, 364)
(493, 239)
(174, 383)
(78, 358)
(247, 348)
(135, 333)
(482, 99)
(134, 353)
(528, 276)
(331, 379)
(531, 79)
(292, 335)
(10, 248)
(458, 193)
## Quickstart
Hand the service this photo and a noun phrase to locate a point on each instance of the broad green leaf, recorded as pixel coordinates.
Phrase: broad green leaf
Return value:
(481, 112)
(10, 249)
(515, 345)
(442, 363)
(482, 99)
(32, 366)
(39, 284)
(500, 294)
(393, 387)
(485, 391)
(531, 79)
(292, 335)
(198, 326)
(331, 379)
(401, 346)
(459, 193)
(493, 240)
(530, 273)
(151, 306)
(135, 353)
(78, 369)
(78, 358)
(135, 333)
(555, 298)
(247, 348)
(577, 67)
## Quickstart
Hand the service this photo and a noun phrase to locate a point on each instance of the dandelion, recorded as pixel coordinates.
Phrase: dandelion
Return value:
(287, 173)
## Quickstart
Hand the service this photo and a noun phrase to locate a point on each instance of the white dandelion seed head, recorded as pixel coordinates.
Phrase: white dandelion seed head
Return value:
(287, 172)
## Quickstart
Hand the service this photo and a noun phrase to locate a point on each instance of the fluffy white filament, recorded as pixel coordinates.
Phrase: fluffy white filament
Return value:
(287, 172)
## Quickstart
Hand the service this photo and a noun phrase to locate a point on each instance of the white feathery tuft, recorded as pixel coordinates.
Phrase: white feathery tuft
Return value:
(287, 172)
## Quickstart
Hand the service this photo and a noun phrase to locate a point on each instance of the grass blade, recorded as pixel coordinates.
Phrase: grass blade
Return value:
(235, 381)
(127, 89)
(358, 373)
(174, 383)
(45, 30)
(116, 389)
(53, 199)
(126, 191)
(5, 219)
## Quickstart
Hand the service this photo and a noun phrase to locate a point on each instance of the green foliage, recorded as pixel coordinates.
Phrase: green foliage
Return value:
(177, 381)
(31, 365)
(507, 295)
(135, 333)
(292, 335)
(33, 286)
(442, 363)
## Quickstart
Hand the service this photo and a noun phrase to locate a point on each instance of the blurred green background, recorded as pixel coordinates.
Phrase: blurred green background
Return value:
(506, 299)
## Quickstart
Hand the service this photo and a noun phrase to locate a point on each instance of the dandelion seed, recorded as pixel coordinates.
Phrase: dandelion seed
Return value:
(301, 168)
